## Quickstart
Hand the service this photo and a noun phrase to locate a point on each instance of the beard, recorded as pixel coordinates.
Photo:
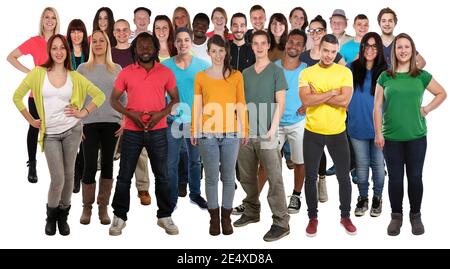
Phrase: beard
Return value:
(152, 57)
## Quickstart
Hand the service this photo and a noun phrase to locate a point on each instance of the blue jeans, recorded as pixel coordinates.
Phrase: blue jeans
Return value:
(412, 155)
(368, 155)
(155, 142)
(286, 150)
(176, 133)
(219, 154)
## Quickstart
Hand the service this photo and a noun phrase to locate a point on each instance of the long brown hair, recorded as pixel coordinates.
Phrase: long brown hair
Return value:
(78, 25)
(224, 14)
(414, 71)
(219, 41)
(50, 63)
(171, 38)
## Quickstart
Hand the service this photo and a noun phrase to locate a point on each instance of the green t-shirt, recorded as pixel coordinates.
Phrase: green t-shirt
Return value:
(260, 92)
(402, 120)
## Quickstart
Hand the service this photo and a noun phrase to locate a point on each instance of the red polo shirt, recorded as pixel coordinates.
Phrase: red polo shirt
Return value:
(146, 91)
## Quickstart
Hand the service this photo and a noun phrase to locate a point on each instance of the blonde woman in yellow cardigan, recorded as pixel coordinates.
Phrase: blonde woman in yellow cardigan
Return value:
(59, 94)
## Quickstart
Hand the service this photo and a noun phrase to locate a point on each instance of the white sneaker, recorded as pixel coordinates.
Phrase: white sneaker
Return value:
(168, 225)
(116, 226)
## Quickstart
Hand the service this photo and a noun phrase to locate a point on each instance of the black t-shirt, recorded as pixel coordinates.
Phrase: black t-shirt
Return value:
(241, 57)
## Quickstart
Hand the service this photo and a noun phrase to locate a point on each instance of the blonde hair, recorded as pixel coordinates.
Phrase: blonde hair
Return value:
(41, 22)
(110, 66)
(182, 9)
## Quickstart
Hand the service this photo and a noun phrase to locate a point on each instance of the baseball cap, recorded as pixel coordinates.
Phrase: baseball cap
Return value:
(338, 12)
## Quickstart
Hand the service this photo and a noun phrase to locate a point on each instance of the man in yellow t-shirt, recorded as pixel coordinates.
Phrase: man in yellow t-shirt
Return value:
(326, 89)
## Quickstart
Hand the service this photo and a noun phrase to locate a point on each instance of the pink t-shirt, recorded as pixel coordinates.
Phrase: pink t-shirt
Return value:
(146, 91)
(36, 47)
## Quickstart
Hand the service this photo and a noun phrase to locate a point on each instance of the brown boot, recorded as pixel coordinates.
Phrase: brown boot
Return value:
(88, 192)
(214, 223)
(104, 193)
(226, 221)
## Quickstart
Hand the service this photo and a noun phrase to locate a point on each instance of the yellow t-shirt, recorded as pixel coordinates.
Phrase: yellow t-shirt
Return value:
(325, 119)
(218, 104)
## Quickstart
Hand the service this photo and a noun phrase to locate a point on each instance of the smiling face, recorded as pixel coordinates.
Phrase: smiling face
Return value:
(219, 21)
(122, 32)
(277, 28)
(49, 21)
(297, 19)
(180, 19)
(316, 32)
(58, 51)
(76, 36)
(183, 43)
(200, 27)
(103, 20)
(403, 51)
(99, 44)
(258, 19)
(338, 25)
(238, 28)
(162, 30)
(387, 23)
(217, 54)
(145, 50)
(141, 20)
(260, 46)
(328, 52)
(361, 27)
(370, 50)
(295, 46)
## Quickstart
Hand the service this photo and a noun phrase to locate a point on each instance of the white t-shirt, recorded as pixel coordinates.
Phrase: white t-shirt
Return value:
(200, 51)
(55, 100)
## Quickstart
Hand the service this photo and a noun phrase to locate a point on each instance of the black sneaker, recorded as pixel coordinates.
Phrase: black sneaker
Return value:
(275, 233)
(200, 202)
(244, 220)
(362, 206)
(376, 208)
(294, 204)
(238, 210)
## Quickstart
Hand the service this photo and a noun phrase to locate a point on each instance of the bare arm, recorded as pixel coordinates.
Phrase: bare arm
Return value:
(420, 61)
(310, 97)
(342, 61)
(378, 115)
(439, 96)
(13, 59)
(342, 99)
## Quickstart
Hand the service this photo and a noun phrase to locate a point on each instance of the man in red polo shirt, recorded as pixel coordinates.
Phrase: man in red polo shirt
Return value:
(146, 83)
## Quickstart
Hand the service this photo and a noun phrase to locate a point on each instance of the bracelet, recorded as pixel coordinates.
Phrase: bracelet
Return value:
(86, 110)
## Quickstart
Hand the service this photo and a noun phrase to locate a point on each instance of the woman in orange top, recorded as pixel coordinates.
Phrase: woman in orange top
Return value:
(219, 119)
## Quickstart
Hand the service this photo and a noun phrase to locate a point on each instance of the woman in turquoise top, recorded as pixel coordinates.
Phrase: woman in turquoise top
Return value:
(77, 38)
(400, 128)
(59, 94)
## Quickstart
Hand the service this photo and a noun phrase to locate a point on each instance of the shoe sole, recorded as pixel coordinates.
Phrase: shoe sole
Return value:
(348, 232)
(278, 238)
(360, 214)
(167, 231)
(236, 213)
(323, 200)
(375, 214)
(293, 211)
(245, 224)
(311, 235)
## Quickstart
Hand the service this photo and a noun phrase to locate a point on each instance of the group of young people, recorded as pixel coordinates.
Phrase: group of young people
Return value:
(231, 102)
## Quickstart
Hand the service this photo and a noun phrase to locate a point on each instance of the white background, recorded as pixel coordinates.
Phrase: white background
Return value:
(22, 205)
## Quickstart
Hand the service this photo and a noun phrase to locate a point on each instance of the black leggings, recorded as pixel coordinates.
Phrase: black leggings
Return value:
(33, 133)
(98, 135)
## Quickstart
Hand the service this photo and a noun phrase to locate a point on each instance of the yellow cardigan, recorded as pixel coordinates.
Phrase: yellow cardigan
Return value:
(34, 81)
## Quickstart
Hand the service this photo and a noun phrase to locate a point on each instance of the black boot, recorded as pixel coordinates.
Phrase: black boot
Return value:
(63, 227)
(52, 215)
(32, 175)
(78, 174)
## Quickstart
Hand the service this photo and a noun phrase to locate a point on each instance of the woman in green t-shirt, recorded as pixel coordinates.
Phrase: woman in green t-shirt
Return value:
(400, 128)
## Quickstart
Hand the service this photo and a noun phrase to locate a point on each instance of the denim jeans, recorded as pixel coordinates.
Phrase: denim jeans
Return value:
(286, 150)
(412, 155)
(219, 154)
(176, 134)
(61, 152)
(155, 142)
(367, 154)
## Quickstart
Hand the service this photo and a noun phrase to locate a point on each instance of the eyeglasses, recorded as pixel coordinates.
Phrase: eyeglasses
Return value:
(317, 31)
(368, 46)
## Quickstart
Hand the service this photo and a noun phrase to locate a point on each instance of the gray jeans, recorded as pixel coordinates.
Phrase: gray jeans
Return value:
(250, 155)
(61, 152)
(219, 154)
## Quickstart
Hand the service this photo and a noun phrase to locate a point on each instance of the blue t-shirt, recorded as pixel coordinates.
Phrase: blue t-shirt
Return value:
(350, 50)
(360, 110)
(185, 83)
(293, 102)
